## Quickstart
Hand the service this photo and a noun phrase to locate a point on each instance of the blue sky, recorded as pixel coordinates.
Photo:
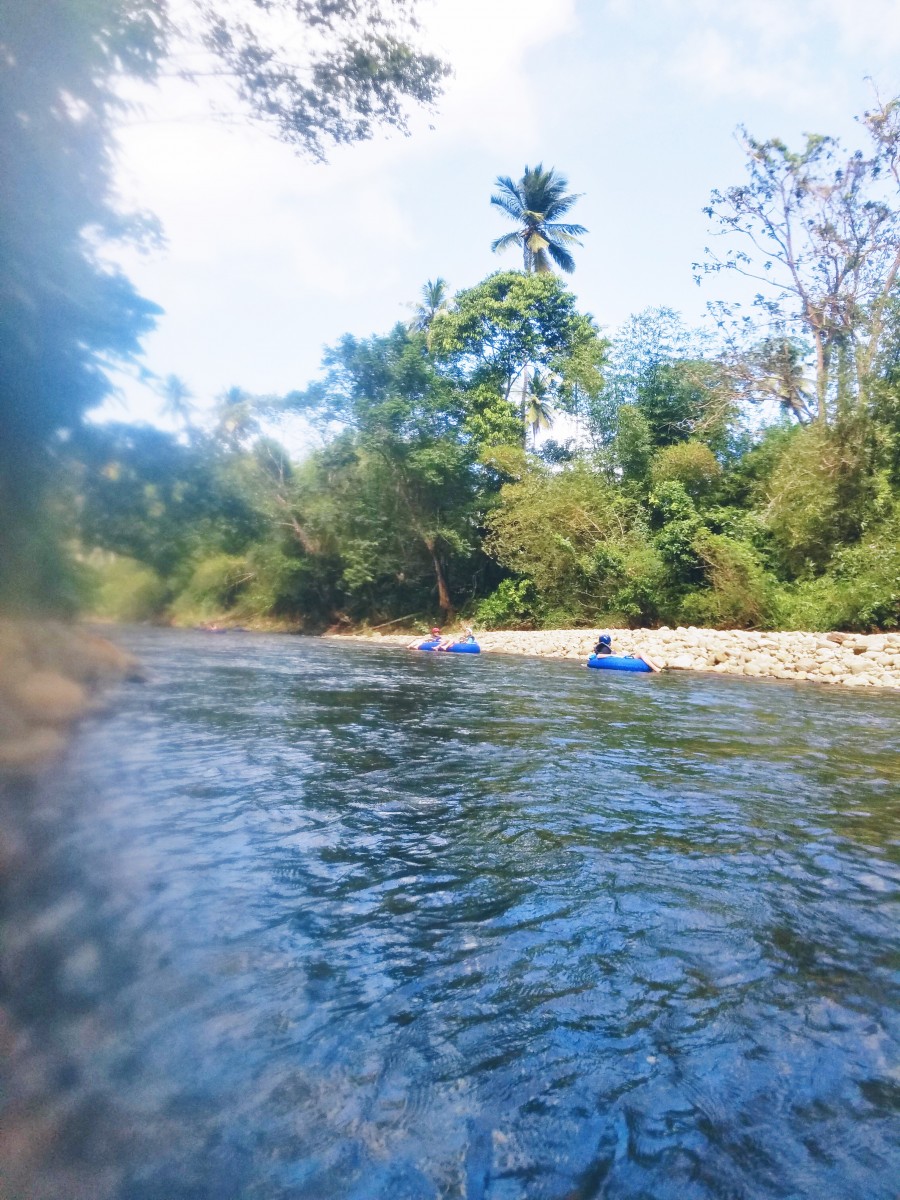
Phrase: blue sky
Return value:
(269, 258)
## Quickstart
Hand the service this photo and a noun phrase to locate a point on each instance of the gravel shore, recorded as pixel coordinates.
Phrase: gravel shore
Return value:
(850, 659)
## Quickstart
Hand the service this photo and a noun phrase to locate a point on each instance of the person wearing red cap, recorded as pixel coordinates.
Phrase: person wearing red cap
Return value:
(435, 635)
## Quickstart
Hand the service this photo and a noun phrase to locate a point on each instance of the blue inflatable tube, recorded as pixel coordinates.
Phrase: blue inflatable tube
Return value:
(617, 662)
(456, 648)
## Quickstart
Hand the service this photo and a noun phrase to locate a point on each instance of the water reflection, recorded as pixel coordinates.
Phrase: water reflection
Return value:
(309, 921)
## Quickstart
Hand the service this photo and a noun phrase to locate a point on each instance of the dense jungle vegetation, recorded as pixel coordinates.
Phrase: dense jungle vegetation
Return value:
(498, 455)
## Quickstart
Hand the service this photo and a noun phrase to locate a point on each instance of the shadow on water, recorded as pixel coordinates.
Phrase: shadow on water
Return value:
(309, 920)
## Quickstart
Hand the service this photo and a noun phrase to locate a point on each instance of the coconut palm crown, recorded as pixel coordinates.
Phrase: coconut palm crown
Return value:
(538, 413)
(535, 203)
(434, 300)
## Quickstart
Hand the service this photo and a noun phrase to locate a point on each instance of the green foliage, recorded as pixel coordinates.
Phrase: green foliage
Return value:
(499, 332)
(658, 392)
(409, 482)
(738, 592)
(286, 584)
(127, 591)
(679, 525)
(217, 582)
(633, 448)
(535, 203)
(691, 464)
(147, 496)
(514, 605)
(822, 493)
(579, 540)
(682, 400)
(860, 591)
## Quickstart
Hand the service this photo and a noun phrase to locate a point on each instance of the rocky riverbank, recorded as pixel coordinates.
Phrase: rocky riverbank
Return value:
(51, 675)
(850, 659)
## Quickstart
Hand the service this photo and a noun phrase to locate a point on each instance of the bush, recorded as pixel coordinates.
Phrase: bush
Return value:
(821, 494)
(569, 532)
(514, 605)
(218, 581)
(691, 464)
(284, 585)
(213, 588)
(128, 591)
(860, 591)
(739, 592)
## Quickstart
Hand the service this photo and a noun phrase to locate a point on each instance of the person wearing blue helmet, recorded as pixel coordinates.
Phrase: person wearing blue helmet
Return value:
(604, 646)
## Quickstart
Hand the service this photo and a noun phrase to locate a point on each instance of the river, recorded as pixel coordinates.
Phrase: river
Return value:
(300, 919)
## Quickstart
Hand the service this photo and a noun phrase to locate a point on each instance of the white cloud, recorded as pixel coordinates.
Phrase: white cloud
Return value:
(787, 53)
(263, 247)
(271, 257)
(487, 42)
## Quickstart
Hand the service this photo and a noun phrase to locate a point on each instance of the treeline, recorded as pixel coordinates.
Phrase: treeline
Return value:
(497, 456)
(663, 497)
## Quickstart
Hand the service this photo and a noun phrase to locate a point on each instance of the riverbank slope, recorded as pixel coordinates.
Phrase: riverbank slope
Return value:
(850, 659)
(51, 675)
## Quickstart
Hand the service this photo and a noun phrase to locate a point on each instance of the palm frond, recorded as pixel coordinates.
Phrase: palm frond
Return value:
(503, 243)
(560, 205)
(561, 257)
(511, 205)
(538, 414)
(434, 292)
(535, 200)
(564, 232)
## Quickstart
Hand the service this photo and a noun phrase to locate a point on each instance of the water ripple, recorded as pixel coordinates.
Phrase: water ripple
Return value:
(304, 920)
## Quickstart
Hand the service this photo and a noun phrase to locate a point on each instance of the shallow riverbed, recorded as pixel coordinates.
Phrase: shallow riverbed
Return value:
(311, 920)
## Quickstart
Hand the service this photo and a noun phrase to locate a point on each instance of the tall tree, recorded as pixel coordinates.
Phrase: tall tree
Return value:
(819, 231)
(65, 316)
(408, 439)
(536, 202)
(499, 333)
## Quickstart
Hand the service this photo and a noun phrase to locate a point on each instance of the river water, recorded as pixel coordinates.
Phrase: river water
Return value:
(311, 920)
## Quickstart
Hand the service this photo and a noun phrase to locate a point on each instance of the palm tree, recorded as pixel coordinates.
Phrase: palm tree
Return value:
(538, 414)
(236, 417)
(783, 376)
(177, 398)
(535, 203)
(434, 300)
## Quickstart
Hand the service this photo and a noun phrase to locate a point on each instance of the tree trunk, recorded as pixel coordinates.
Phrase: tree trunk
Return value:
(821, 377)
(444, 601)
(523, 408)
